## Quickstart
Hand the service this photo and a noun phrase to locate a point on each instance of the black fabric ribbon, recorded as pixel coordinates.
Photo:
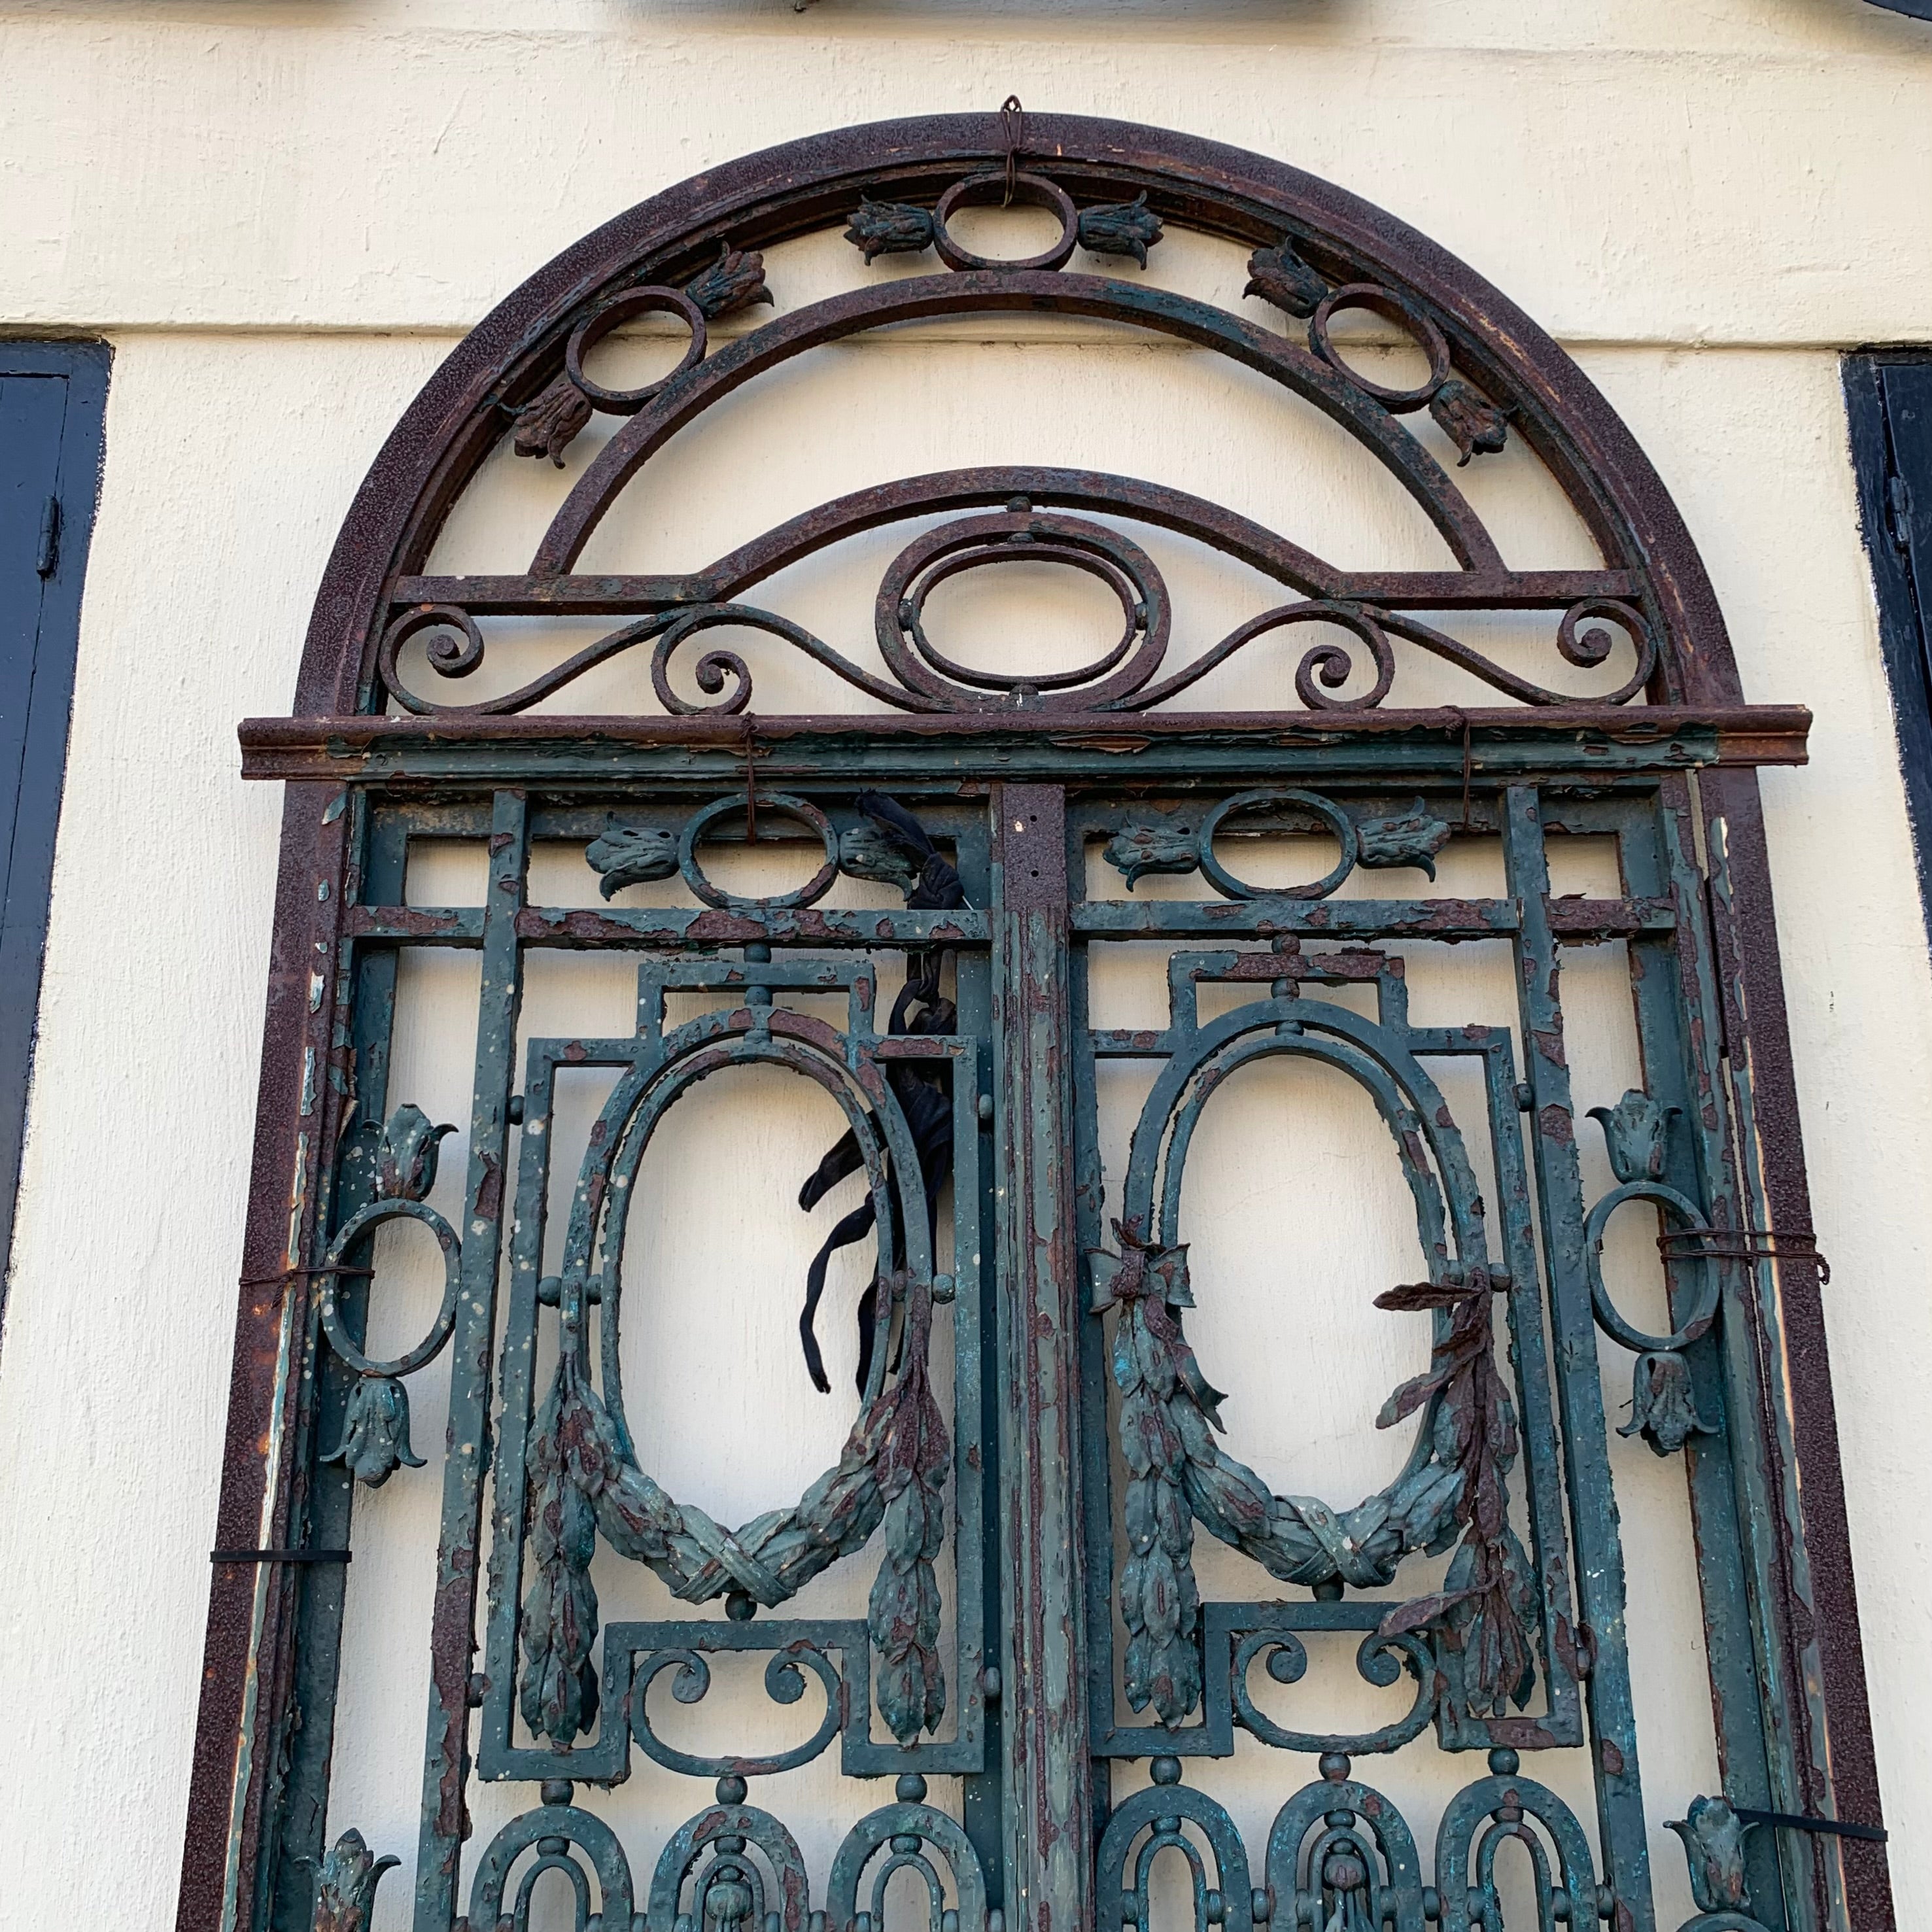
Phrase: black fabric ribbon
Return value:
(922, 1094)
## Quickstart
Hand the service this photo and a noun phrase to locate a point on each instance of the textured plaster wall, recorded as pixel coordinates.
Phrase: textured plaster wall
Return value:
(281, 214)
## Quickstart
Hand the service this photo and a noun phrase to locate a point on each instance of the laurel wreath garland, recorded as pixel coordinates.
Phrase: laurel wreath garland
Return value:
(1178, 1474)
(892, 1469)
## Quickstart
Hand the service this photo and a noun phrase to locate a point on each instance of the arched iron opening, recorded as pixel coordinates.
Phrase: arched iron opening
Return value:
(1021, 776)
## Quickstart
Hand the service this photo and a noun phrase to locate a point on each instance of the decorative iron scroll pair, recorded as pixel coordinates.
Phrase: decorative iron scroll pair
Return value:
(923, 678)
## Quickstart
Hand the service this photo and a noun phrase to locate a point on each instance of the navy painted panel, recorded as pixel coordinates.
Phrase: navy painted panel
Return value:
(51, 400)
(1889, 402)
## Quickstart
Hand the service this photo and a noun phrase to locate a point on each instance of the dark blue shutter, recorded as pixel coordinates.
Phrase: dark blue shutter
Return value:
(1888, 400)
(52, 398)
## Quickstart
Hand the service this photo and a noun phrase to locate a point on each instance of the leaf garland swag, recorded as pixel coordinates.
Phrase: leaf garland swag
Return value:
(1166, 1405)
(1178, 1474)
(1488, 1601)
(892, 1469)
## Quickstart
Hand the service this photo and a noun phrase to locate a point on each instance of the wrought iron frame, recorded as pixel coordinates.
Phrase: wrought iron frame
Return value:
(1020, 781)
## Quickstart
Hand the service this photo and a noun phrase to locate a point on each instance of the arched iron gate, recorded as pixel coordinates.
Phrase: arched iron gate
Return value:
(1076, 1453)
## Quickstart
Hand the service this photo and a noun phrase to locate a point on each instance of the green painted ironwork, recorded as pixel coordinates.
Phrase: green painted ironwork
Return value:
(1030, 1524)
(1520, 1649)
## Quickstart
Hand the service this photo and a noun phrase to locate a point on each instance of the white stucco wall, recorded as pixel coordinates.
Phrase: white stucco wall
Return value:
(281, 216)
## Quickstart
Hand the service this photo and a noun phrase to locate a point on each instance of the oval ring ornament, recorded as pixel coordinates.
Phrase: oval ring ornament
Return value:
(1331, 815)
(1704, 1311)
(613, 315)
(784, 804)
(983, 190)
(1016, 535)
(1379, 1660)
(365, 1221)
(1020, 550)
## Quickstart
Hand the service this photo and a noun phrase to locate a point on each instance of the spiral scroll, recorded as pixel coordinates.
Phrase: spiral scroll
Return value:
(1379, 1660)
(922, 678)
(785, 1683)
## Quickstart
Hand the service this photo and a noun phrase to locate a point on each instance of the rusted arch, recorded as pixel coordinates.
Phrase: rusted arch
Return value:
(807, 185)
(930, 297)
(786, 544)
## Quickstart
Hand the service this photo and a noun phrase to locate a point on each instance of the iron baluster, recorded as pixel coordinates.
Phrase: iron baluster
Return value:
(1048, 1814)
(446, 1751)
(1600, 1567)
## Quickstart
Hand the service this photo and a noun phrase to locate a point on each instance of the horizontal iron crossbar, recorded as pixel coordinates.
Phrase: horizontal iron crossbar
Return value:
(597, 596)
(1577, 921)
(1490, 743)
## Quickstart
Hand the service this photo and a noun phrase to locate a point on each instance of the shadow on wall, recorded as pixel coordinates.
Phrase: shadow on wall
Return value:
(1274, 13)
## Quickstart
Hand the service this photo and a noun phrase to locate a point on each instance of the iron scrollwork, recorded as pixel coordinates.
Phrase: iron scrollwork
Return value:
(923, 678)
(1627, 720)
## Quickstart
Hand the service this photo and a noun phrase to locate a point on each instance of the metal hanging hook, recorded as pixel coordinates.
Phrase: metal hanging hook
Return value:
(1012, 131)
(749, 731)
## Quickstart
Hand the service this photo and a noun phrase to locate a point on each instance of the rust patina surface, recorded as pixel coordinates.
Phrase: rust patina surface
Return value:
(1029, 1527)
